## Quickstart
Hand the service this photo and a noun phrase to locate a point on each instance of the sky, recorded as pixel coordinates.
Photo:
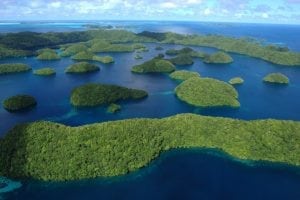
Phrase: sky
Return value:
(257, 11)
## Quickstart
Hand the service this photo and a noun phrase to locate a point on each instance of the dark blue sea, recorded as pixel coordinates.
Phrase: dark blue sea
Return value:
(184, 174)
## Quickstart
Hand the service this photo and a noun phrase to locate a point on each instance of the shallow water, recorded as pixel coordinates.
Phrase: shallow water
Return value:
(177, 174)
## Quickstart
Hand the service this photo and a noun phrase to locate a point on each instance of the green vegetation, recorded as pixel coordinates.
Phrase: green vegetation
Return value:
(182, 59)
(19, 102)
(51, 151)
(183, 75)
(246, 46)
(155, 65)
(47, 54)
(82, 67)
(47, 71)
(74, 49)
(25, 44)
(13, 68)
(218, 58)
(159, 48)
(89, 56)
(93, 94)
(113, 108)
(276, 78)
(236, 81)
(207, 92)
(185, 50)
(104, 46)
(6, 52)
(104, 59)
(138, 56)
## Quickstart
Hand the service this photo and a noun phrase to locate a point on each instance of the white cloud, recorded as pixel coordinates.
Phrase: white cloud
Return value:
(265, 15)
(56, 4)
(194, 1)
(207, 11)
(168, 5)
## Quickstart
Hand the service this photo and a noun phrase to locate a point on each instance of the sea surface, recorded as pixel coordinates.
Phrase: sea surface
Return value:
(184, 174)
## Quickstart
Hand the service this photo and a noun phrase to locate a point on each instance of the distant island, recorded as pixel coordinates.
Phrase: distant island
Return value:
(47, 71)
(103, 40)
(155, 65)
(82, 67)
(218, 58)
(277, 78)
(11, 68)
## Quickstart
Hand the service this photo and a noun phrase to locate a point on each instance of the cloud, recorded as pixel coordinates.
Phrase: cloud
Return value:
(207, 11)
(56, 4)
(168, 5)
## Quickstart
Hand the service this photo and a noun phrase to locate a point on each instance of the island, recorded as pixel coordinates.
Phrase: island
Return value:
(185, 50)
(159, 48)
(47, 71)
(95, 94)
(82, 67)
(89, 56)
(113, 108)
(19, 103)
(17, 45)
(155, 65)
(277, 78)
(47, 54)
(218, 58)
(207, 92)
(236, 81)
(182, 59)
(55, 152)
(73, 49)
(183, 75)
(10, 68)
(138, 56)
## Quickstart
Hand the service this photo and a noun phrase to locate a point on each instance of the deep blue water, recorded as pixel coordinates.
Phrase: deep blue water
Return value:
(179, 174)
(186, 175)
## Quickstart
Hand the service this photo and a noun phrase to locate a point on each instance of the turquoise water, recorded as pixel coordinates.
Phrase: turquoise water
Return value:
(187, 175)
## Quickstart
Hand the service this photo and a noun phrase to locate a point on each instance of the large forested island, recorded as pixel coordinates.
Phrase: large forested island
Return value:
(51, 151)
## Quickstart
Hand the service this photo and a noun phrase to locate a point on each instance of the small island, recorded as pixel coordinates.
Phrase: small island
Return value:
(155, 65)
(159, 48)
(47, 71)
(207, 92)
(138, 56)
(73, 49)
(10, 68)
(236, 81)
(218, 58)
(82, 67)
(89, 56)
(19, 103)
(182, 59)
(93, 94)
(113, 108)
(185, 50)
(47, 54)
(183, 75)
(277, 78)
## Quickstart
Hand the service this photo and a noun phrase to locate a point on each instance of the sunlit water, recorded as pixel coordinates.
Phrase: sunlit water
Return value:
(187, 175)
